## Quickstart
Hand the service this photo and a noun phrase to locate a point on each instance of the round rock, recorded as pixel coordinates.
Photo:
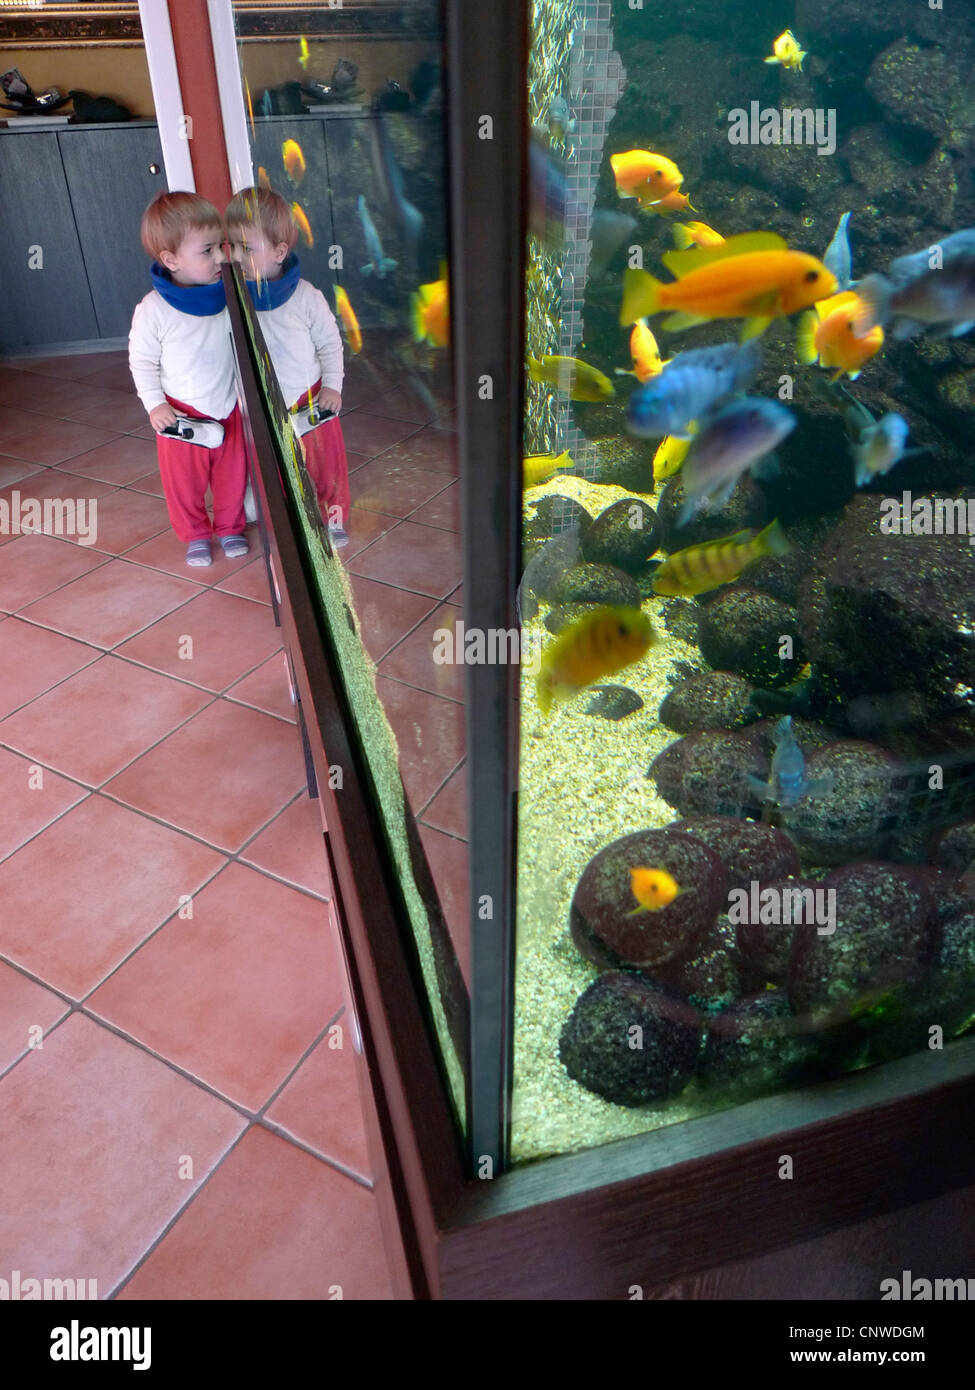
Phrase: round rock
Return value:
(757, 1044)
(597, 1049)
(854, 816)
(604, 584)
(710, 700)
(742, 631)
(707, 774)
(554, 515)
(749, 851)
(604, 920)
(625, 534)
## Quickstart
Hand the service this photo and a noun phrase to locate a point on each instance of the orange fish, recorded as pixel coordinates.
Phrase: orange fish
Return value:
(645, 354)
(304, 226)
(250, 105)
(687, 234)
(644, 175)
(431, 313)
(753, 276)
(262, 179)
(294, 161)
(826, 334)
(349, 321)
(674, 202)
(653, 889)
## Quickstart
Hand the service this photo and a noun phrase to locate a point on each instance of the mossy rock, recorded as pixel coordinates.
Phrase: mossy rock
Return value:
(601, 584)
(742, 630)
(709, 700)
(625, 534)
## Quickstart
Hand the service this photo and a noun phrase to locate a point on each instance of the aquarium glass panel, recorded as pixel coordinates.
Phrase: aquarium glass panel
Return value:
(747, 771)
(346, 124)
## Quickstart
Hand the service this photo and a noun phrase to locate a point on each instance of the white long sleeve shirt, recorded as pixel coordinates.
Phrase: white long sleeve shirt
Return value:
(187, 356)
(304, 342)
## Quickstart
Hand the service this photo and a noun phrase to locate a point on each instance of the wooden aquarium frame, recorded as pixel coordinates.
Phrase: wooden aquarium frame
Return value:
(649, 1210)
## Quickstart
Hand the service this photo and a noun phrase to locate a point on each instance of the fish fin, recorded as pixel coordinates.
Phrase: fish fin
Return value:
(861, 475)
(773, 539)
(962, 328)
(762, 305)
(874, 295)
(367, 269)
(805, 337)
(681, 263)
(640, 295)
(682, 237)
(753, 328)
(759, 788)
(772, 60)
(387, 264)
(636, 912)
(675, 322)
(852, 375)
(623, 371)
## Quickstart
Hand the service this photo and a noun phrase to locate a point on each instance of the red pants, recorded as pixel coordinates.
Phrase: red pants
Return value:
(187, 471)
(328, 466)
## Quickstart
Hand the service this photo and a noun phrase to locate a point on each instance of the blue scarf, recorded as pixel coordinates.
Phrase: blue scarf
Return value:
(271, 294)
(201, 300)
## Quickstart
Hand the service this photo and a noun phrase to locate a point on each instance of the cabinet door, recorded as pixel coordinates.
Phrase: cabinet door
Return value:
(110, 183)
(50, 303)
(312, 193)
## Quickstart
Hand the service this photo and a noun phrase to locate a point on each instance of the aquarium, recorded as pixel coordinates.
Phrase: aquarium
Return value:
(746, 777)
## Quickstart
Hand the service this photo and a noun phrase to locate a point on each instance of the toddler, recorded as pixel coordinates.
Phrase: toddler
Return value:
(181, 359)
(302, 338)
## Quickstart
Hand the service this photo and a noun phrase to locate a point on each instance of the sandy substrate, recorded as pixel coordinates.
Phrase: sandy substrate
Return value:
(582, 785)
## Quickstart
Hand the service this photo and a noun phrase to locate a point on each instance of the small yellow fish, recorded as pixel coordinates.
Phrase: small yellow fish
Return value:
(653, 889)
(262, 179)
(786, 51)
(294, 161)
(644, 175)
(596, 645)
(538, 468)
(349, 321)
(645, 354)
(304, 226)
(699, 568)
(826, 335)
(250, 105)
(431, 313)
(303, 54)
(670, 455)
(695, 234)
(579, 379)
(673, 202)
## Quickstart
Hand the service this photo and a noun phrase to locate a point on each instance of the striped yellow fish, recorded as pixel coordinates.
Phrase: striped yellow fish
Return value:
(597, 645)
(702, 567)
(540, 467)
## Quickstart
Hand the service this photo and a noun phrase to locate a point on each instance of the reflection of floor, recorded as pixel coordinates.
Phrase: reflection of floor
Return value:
(166, 925)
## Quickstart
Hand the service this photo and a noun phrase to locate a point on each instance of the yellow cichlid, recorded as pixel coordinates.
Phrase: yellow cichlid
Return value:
(653, 889)
(294, 161)
(303, 54)
(582, 382)
(670, 454)
(262, 179)
(786, 51)
(826, 334)
(596, 645)
(644, 175)
(695, 234)
(540, 467)
(431, 313)
(702, 567)
(674, 201)
(304, 226)
(350, 323)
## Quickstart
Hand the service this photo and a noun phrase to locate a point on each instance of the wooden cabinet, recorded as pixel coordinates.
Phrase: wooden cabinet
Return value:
(78, 194)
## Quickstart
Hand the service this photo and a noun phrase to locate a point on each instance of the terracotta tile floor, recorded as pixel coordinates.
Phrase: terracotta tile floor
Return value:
(171, 985)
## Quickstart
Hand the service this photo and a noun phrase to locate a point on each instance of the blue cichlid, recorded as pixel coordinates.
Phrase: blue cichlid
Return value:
(788, 783)
(931, 288)
(393, 185)
(691, 384)
(548, 193)
(838, 258)
(879, 447)
(378, 264)
(733, 441)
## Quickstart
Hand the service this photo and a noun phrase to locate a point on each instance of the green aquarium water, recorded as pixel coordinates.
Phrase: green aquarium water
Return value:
(746, 853)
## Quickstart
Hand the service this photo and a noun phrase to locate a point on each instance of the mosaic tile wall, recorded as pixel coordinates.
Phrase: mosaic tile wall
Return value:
(571, 56)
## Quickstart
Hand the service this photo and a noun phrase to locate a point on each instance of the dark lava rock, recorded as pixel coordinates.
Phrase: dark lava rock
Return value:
(554, 515)
(855, 816)
(558, 618)
(645, 577)
(711, 978)
(711, 700)
(954, 847)
(779, 575)
(625, 462)
(603, 917)
(745, 508)
(625, 534)
(891, 612)
(596, 584)
(682, 619)
(629, 1042)
(741, 630)
(613, 701)
(928, 88)
(757, 1044)
(549, 562)
(881, 947)
(749, 851)
(707, 774)
(766, 946)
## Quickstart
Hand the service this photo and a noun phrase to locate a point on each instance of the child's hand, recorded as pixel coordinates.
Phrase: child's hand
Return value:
(162, 416)
(330, 400)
